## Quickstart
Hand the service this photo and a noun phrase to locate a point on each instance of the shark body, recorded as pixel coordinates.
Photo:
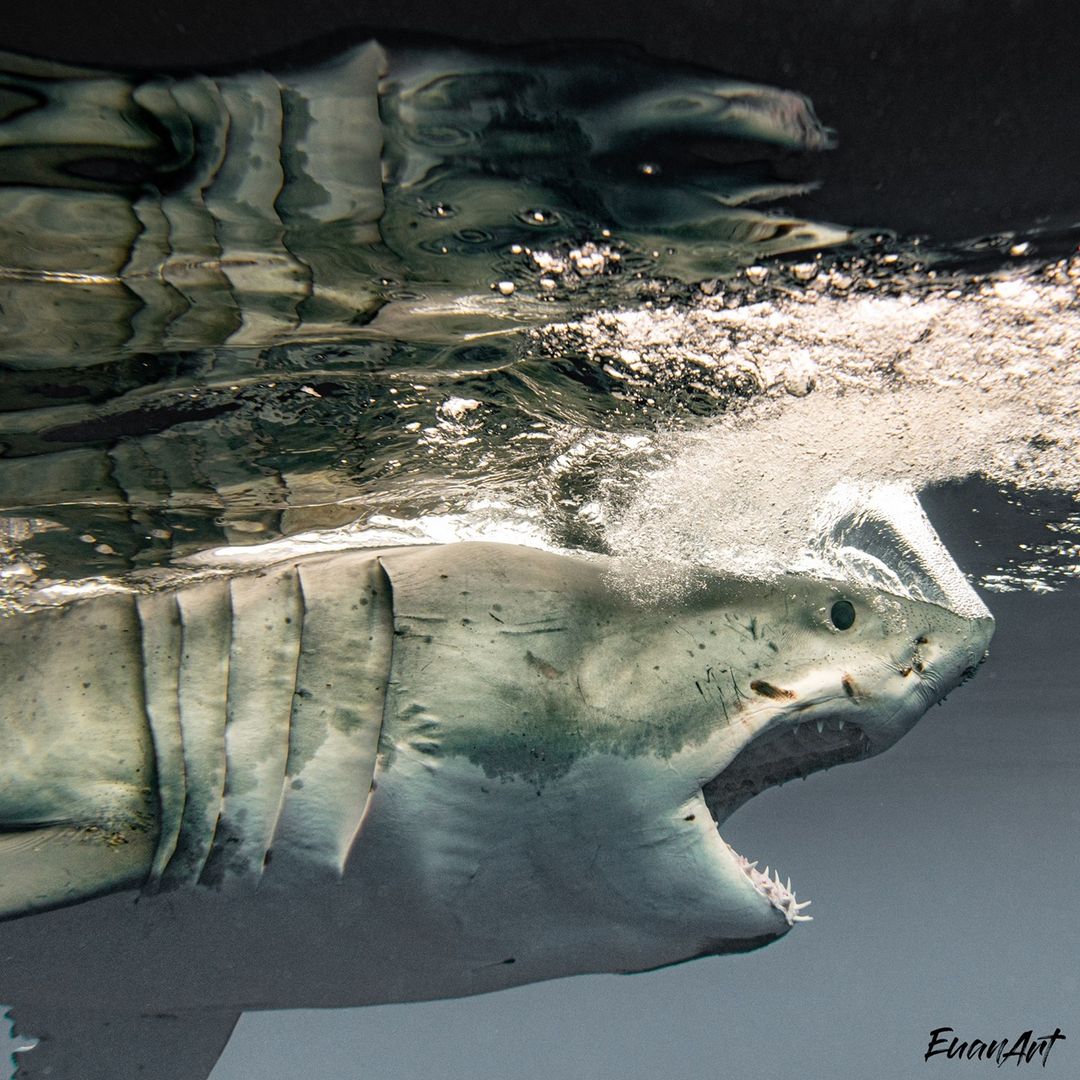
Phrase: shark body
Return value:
(393, 775)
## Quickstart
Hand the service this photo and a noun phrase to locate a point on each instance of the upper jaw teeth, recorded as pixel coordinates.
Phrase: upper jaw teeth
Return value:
(776, 892)
(832, 725)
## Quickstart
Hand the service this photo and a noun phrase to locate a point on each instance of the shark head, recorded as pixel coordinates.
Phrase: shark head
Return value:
(829, 663)
(879, 625)
(573, 755)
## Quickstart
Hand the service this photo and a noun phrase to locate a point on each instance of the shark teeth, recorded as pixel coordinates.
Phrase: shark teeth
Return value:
(821, 726)
(776, 892)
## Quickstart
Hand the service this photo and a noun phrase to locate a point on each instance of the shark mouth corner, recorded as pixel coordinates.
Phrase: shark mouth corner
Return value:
(772, 757)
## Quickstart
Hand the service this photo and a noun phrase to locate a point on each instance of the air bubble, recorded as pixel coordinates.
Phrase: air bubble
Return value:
(540, 217)
(438, 210)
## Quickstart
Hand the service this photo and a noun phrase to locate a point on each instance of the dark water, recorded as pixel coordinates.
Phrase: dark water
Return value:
(566, 298)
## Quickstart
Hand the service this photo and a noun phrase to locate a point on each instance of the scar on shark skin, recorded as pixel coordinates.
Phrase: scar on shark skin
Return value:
(759, 686)
(850, 688)
(545, 669)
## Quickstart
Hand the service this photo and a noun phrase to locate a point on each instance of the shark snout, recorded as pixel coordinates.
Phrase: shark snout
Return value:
(951, 651)
(979, 648)
(946, 652)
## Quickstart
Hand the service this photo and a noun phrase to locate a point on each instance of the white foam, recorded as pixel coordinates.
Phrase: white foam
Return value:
(905, 391)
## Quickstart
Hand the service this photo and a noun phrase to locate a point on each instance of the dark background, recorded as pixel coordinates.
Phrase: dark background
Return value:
(957, 118)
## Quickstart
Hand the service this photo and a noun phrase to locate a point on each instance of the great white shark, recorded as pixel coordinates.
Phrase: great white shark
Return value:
(408, 773)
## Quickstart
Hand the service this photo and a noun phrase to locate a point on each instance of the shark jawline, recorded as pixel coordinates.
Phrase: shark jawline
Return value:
(770, 758)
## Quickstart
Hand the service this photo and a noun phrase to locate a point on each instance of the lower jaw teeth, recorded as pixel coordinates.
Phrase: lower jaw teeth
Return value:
(778, 894)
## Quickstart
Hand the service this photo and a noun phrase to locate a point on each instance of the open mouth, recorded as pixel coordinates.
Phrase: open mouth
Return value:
(775, 755)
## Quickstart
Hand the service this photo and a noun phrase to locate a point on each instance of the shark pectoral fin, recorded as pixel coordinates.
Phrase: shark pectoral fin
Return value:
(76, 1044)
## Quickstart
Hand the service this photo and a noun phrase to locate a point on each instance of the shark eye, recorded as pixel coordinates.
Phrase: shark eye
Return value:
(843, 615)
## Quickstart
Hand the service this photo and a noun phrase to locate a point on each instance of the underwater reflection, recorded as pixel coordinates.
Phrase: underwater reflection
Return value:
(142, 213)
(236, 304)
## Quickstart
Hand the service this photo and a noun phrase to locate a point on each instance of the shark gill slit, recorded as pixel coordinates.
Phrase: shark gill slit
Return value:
(159, 628)
(267, 630)
(267, 854)
(206, 619)
(230, 748)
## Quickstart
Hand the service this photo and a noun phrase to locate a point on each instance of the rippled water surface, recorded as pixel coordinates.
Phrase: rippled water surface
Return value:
(441, 294)
(458, 293)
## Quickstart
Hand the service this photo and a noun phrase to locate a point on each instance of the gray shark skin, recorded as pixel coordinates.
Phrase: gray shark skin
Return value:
(393, 775)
